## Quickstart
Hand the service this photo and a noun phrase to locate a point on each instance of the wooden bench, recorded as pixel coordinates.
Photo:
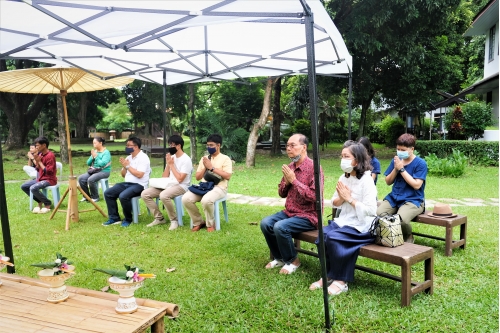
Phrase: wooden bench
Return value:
(449, 224)
(404, 256)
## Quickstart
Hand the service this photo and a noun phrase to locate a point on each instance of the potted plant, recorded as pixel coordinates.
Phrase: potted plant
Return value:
(55, 275)
(4, 261)
(126, 282)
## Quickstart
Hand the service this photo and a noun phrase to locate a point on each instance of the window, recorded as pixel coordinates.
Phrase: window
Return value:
(491, 48)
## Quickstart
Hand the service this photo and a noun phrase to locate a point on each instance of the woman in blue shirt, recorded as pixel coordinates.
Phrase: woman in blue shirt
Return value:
(99, 158)
(406, 174)
(374, 161)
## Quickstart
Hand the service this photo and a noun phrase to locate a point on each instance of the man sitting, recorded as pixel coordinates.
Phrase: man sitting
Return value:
(45, 164)
(135, 170)
(219, 164)
(298, 187)
(178, 170)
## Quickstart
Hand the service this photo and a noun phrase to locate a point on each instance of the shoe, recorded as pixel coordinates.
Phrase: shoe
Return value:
(44, 210)
(36, 210)
(156, 222)
(198, 227)
(289, 269)
(210, 229)
(173, 225)
(275, 263)
(83, 200)
(342, 288)
(125, 223)
(110, 222)
(95, 200)
(319, 284)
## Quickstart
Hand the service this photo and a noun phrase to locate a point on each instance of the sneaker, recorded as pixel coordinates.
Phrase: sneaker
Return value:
(173, 225)
(110, 222)
(44, 210)
(36, 210)
(126, 223)
(95, 200)
(156, 222)
(210, 229)
(83, 200)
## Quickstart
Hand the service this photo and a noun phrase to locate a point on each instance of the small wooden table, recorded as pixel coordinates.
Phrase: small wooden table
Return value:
(24, 309)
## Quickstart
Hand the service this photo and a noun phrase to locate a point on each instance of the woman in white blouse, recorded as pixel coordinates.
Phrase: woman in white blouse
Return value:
(356, 195)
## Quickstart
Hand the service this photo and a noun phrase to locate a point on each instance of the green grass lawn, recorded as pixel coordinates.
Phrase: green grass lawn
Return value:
(220, 282)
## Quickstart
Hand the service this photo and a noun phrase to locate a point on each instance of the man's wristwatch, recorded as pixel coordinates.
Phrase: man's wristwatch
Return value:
(402, 170)
(127, 166)
(350, 201)
(212, 169)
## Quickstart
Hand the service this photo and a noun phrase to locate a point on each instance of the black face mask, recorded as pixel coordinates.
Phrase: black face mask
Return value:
(172, 150)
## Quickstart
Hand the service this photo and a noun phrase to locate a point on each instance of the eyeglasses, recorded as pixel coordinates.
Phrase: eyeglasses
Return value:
(293, 145)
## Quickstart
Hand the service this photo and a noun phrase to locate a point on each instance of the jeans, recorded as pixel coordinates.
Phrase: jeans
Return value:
(35, 187)
(125, 192)
(90, 182)
(278, 230)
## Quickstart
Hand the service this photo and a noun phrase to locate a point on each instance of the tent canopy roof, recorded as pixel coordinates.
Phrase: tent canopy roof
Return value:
(194, 41)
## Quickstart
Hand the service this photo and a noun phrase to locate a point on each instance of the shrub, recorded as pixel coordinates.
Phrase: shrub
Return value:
(471, 122)
(391, 129)
(303, 126)
(452, 166)
(375, 133)
(479, 152)
(454, 124)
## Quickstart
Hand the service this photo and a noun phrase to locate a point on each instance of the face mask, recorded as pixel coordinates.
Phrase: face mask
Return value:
(346, 165)
(296, 158)
(403, 154)
(129, 150)
(172, 150)
(211, 150)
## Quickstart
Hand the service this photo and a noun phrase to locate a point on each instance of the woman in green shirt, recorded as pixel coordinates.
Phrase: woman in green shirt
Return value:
(99, 158)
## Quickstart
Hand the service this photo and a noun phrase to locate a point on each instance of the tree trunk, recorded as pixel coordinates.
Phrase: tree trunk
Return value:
(254, 134)
(81, 125)
(192, 132)
(365, 105)
(61, 128)
(277, 119)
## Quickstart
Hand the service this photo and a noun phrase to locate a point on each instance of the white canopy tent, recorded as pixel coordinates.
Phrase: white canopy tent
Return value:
(171, 42)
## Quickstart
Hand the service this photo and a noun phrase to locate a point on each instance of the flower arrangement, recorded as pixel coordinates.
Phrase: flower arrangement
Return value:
(130, 274)
(58, 266)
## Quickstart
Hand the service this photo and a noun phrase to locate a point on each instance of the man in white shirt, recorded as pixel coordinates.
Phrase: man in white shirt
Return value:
(135, 169)
(178, 170)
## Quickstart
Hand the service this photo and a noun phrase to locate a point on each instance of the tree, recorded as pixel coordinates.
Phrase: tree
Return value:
(117, 116)
(277, 119)
(21, 110)
(402, 49)
(254, 133)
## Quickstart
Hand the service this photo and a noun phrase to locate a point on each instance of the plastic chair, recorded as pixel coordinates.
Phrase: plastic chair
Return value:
(56, 195)
(136, 209)
(104, 185)
(217, 212)
(179, 209)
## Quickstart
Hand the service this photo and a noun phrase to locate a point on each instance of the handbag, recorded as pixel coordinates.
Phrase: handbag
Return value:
(92, 170)
(202, 188)
(210, 176)
(387, 230)
(162, 183)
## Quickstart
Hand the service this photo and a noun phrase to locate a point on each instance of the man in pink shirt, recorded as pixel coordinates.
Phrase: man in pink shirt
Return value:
(45, 164)
(299, 215)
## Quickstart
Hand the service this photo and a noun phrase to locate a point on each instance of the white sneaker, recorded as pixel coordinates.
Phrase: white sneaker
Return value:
(36, 210)
(83, 200)
(95, 200)
(156, 222)
(173, 225)
(44, 210)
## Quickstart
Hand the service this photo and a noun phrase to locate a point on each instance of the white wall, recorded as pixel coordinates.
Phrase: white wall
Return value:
(491, 67)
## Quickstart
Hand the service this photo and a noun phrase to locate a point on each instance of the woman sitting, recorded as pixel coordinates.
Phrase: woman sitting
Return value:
(99, 158)
(356, 195)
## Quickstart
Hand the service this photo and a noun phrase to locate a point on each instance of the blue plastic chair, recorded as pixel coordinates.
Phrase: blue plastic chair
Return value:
(104, 185)
(217, 212)
(179, 209)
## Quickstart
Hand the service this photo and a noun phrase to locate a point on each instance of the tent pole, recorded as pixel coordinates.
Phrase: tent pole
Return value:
(164, 111)
(311, 71)
(4, 215)
(349, 135)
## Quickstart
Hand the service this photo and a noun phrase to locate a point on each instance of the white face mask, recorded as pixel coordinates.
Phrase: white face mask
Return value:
(346, 165)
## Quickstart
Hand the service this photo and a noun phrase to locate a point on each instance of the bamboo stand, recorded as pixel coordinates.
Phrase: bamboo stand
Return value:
(72, 211)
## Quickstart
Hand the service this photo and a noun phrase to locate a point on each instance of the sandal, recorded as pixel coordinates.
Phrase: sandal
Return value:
(289, 269)
(319, 284)
(342, 288)
(275, 263)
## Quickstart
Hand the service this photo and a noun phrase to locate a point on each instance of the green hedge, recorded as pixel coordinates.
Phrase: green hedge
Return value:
(478, 152)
